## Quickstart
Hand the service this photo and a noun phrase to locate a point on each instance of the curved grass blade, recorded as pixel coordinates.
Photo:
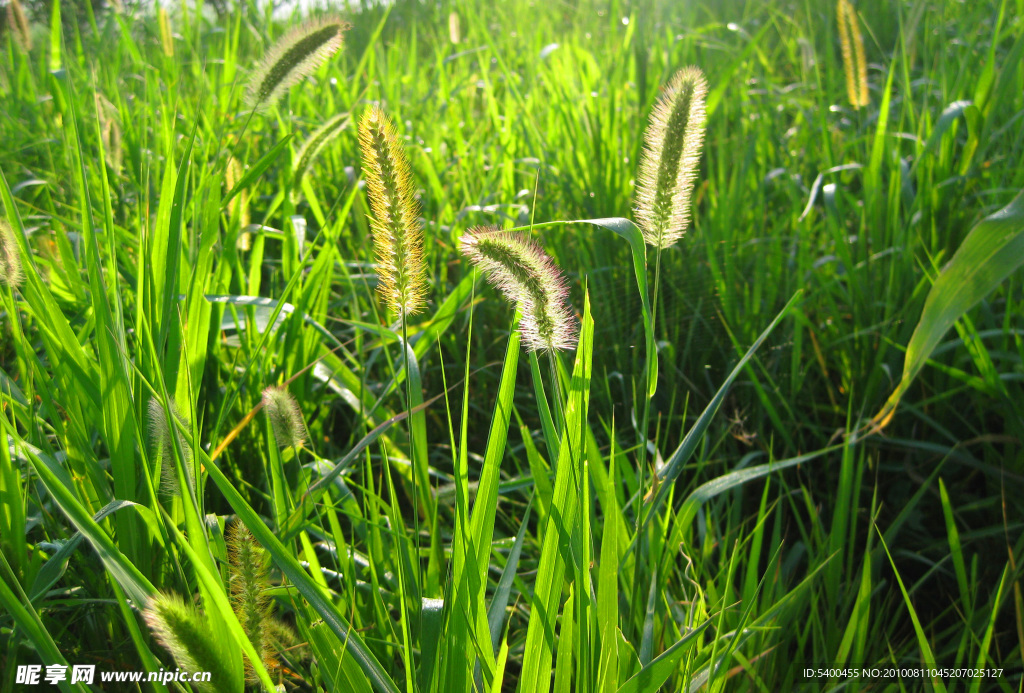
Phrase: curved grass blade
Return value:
(55, 566)
(927, 657)
(705, 492)
(949, 114)
(992, 251)
(629, 231)
(256, 170)
(499, 602)
(674, 466)
(651, 677)
(314, 492)
(135, 584)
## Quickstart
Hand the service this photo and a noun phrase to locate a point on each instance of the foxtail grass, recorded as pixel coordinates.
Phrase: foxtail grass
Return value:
(315, 143)
(668, 166)
(454, 28)
(667, 172)
(110, 132)
(529, 278)
(160, 433)
(855, 66)
(185, 632)
(401, 285)
(249, 579)
(295, 56)
(17, 21)
(166, 37)
(397, 235)
(238, 207)
(10, 261)
(285, 417)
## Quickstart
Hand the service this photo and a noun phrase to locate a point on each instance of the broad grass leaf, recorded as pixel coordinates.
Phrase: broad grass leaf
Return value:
(992, 251)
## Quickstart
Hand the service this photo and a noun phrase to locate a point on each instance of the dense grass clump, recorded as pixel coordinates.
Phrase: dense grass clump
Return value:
(784, 433)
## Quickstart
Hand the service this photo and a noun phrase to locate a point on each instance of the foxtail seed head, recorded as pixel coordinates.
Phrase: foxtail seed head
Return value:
(397, 235)
(17, 20)
(161, 436)
(10, 260)
(166, 37)
(855, 66)
(668, 166)
(285, 417)
(249, 579)
(297, 54)
(110, 132)
(518, 268)
(238, 207)
(312, 147)
(185, 632)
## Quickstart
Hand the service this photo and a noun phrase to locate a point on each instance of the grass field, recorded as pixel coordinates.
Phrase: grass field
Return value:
(696, 497)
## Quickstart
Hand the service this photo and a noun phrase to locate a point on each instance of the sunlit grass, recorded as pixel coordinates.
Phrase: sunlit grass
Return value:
(459, 512)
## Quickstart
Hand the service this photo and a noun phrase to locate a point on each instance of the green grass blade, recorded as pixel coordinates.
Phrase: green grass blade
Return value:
(566, 646)
(256, 170)
(629, 231)
(471, 546)
(55, 566)
(927, 656)
(26, 618)
(499, 601)
(167, 242)
(992, 251)
(430, 637)
(138, 587)
(651, 677)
